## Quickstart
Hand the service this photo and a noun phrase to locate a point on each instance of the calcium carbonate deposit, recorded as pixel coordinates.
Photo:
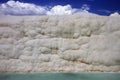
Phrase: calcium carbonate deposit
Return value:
(72, 43)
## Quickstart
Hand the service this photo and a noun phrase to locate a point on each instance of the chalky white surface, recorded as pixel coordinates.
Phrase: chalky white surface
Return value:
(81, 42)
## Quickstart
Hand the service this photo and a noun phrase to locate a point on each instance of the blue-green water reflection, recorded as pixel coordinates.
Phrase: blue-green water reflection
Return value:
(61, 76)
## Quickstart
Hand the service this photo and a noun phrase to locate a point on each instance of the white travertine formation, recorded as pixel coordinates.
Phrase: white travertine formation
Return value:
(60, 43)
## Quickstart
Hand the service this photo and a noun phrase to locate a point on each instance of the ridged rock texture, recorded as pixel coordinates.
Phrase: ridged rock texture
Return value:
(73, 43)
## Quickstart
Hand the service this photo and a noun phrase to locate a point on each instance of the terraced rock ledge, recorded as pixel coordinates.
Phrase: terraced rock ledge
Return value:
(73, 43)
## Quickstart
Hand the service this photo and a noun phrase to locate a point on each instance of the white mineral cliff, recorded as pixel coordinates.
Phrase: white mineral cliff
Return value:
(60, 43)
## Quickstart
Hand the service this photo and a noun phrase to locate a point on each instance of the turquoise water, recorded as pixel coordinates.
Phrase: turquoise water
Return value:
(61, 76)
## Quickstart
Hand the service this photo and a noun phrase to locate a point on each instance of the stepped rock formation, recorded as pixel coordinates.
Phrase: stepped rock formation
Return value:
(73, 43)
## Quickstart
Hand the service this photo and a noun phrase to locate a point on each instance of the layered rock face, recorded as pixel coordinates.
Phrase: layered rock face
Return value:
(72, 43)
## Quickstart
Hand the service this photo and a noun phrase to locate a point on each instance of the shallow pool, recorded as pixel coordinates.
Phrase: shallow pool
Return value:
(60, 76)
